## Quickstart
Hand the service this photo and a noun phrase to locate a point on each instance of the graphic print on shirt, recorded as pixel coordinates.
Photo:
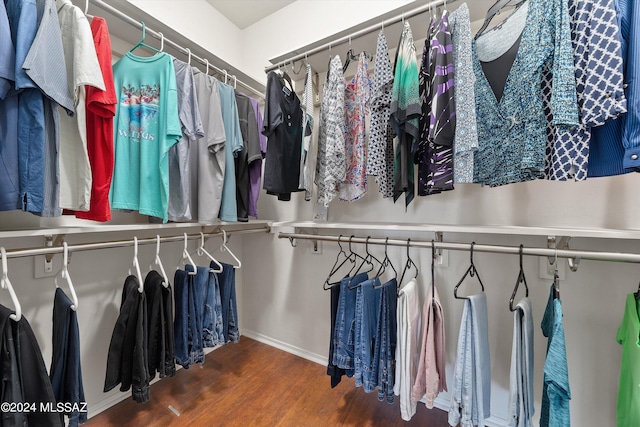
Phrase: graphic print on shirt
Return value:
(141, 106)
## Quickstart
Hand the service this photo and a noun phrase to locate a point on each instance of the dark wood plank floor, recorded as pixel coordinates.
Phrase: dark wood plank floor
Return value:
(253, 384)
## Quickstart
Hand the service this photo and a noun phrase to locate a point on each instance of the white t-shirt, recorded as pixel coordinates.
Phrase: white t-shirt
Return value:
(83, 69)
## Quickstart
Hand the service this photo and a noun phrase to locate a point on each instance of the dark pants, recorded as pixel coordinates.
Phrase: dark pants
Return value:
(333, 371)
(187, 326)
(227, 282)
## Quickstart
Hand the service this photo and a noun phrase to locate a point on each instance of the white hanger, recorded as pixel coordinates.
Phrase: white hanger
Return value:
(161, 41)
(158, 262)
(186, 257)
(202, 251)
(136, 265)
(224, 248)
(206, 61)
(86, 6)
(235, 81)
(189, 56)
(65, 275)
(226, 76)
(6, 284)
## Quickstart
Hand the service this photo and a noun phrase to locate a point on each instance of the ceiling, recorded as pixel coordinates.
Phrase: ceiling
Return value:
(246, 12)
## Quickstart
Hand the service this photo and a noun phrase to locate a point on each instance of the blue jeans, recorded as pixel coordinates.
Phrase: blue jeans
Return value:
(366, 315)
(343, 344)
(208, 306)
(187, 325)
(227, 283)
(387, 333)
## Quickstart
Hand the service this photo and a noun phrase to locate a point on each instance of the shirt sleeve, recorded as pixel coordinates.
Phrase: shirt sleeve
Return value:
(102, 102)
(86, 68)
(173, 132)
(630, 29)
(564, 100)
(273, 115)
(235, 139)
(7, 52)
(253, 139)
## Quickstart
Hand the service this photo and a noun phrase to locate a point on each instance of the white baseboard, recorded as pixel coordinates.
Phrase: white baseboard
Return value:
(322, 360)
(444, 402)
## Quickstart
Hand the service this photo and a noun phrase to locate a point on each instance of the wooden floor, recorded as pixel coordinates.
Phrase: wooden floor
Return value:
(253, 384)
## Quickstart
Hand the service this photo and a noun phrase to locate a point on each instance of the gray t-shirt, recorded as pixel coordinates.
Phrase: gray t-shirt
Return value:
(192, 130)
(207, 161)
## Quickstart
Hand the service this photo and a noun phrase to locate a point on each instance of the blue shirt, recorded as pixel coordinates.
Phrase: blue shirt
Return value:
(608, 155)
(234, 144)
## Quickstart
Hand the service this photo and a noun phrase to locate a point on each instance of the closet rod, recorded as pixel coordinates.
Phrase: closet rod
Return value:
(399, 18)
(515, 250)
(105, 6)
(20, 253)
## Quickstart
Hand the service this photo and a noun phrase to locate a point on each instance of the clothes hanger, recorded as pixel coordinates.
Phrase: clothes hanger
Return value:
(494, 10)
(521, 279)
(136, 265)
(367, 259)
(409, 263)
(188, 56)
(556, 278)
(433, 270)
(224, 248)
(471, 271)
(86, 6)
(235, 81)
(64, 272)
(5, 283)
(186, 258)
(293, 68)
(226, 76)
(383, 266)
(206, 63)
(200, 251)
(161, 41)
(141, 43)
(637, 293)
(157, 261)
(326, 286)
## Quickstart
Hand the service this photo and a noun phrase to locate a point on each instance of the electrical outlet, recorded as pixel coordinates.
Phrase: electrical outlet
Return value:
(547, 270)
(442, 260)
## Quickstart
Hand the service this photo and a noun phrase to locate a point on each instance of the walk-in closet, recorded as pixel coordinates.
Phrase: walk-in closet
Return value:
(320, 212)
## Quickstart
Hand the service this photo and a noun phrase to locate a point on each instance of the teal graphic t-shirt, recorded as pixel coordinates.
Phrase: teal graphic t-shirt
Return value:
(146, 127)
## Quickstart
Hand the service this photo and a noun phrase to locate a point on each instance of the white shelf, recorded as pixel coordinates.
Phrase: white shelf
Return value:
(598, 233)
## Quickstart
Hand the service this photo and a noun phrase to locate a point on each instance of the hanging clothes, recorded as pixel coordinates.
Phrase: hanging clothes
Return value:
(100, 108)
(365, 338)
(628, 407)
(438, 119)
(128, 355)
(208, 307)
(331, 167)
(187, 324)
(148, 126)
(465, 141)
(405, 114)
(283, 129)
(608, 156)
(407, 360)
(386, 341)
(555, 389)
(83, 69)
(521, 401)
(159, 326)
(334, 372)
(471, 394)
(255, 167)
(250, 153)
(232, 148)
(431, 376)
(357, 96)
(599, 86)
(66, 371)
(511, 128)
(309, 151)
(344, 338)
(227, 282)
(179, 154)
(380, 150)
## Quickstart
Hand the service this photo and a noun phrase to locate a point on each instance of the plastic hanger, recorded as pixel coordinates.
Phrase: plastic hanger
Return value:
(202, 251)
(226, 76)
(161, 41)
(64, 272)
(556, 278)
(409, 263)
(494, 10)
(188, 56)
(206, 63)
(367, 260)
(186, 258)
(5, 283)
(157, 261)
(136, 265)
(326, 286)
(383, 266)
(86, 6)
(521, 279)
(471, 271)
(235, 81)
(141, 43)
(224, 248)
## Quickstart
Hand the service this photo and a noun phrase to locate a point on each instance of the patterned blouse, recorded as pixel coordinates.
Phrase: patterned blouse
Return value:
(466, 135)
(405, 114)
(380, 153)
(308, 158)
(357, 95)
(438, 119)
(598, 62)
(331, 167)
(512, 130)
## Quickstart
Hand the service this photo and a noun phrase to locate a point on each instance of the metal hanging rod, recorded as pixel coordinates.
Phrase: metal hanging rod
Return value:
(399, 18)
(21, 253)
(116, 12)
(515, 250)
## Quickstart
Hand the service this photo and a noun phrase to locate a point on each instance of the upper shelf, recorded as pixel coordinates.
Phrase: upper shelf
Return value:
(598, 233)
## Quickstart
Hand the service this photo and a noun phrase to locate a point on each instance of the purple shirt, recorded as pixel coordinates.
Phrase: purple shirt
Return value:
(255, 167)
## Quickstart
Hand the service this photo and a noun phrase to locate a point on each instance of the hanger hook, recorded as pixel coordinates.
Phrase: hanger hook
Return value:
(5, 273)
(226, 76)
(135, 247)
(188, 56)
(349, 41)
(185, 242)
(157, 245)
(144, 30)
(86, 6)
(366, 245)
(65, 256)
(472, 272)
(161, 41)
(206, 62)
(350, 240)
(235, 81)
(339, 244)
(293, 242)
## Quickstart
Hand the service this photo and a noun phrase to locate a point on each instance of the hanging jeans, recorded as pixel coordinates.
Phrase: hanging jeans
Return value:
(333, 371)
(343, 344)
(365, 339)
(209, 307)
(187, 326)
(159, 326)
(385, 351)
(227, 283)
(65, 372)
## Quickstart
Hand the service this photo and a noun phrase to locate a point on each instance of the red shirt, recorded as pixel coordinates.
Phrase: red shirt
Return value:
(101, 108)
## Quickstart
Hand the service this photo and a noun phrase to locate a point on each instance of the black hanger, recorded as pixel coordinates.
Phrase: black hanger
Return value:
(386, 261)
(409, 263)
(556, 283)
(494, 10)
(637, 294)
(367, 260)
(471, 271)
(326, 286)
(521, 279)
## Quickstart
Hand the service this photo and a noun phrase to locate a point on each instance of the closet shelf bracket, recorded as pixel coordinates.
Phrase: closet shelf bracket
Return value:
(304, 230)
(562, 243)
(50, 242)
